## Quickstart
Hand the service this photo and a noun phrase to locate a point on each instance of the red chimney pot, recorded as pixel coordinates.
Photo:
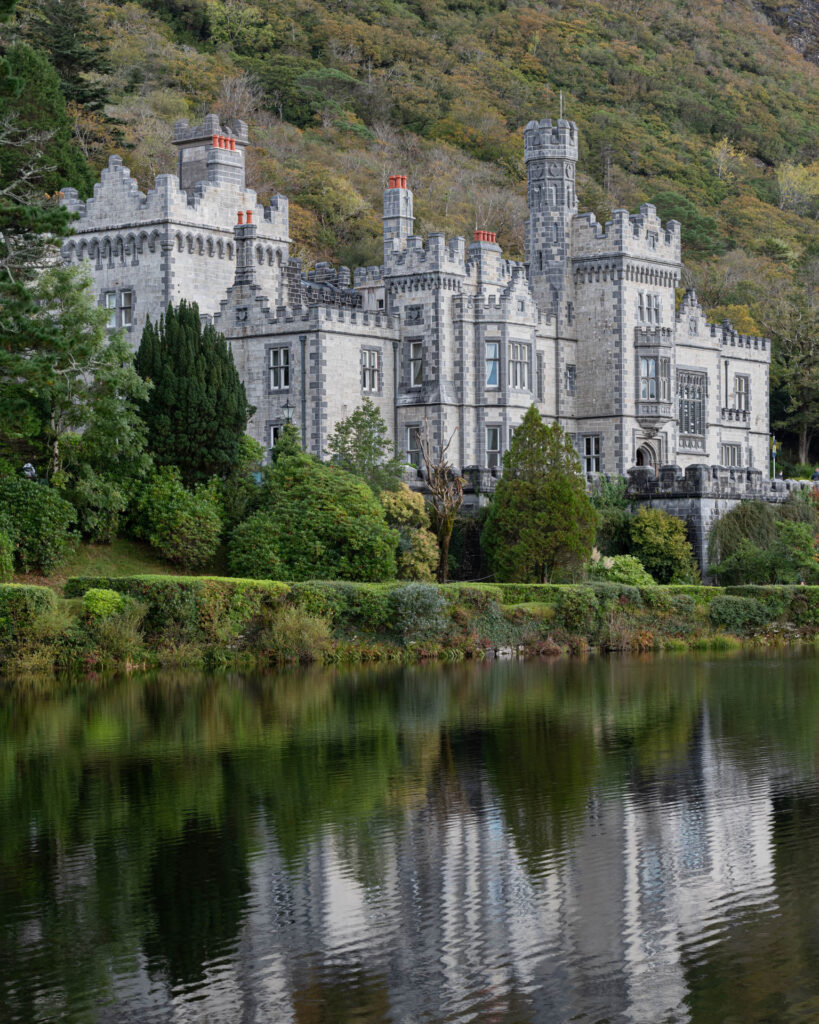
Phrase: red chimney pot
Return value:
(249, 216)
(241, 217)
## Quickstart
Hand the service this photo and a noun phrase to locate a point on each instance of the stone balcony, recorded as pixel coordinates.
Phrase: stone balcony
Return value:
(738, 416)
(653, 415)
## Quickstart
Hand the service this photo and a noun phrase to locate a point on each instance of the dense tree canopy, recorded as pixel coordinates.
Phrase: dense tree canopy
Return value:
(316, 522)
(540, 521)
(197, 409)
(360, 443)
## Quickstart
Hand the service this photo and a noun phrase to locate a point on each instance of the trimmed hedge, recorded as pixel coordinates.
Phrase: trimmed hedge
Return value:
(216, 614)
(210, 609)
(20, 606)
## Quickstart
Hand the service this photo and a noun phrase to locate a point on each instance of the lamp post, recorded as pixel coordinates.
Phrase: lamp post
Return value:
(287, 409)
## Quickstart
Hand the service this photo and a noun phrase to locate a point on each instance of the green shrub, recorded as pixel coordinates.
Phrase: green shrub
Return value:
(316, 522)
(42, 521)
(419, 611)
(789, 558)
(520, 593)
(99, 603)
(803, 606)
(117, 633)
(620, 569)
(255, 548)
(361, 606)
(184, 526)
(476, 595)
(577, 609)
(661, 544)
(417, 554)
(752, 521)
(6, 557)
(20, 607)
(737, 614)
(100, 503)
(290, 633)
(609, 501)
(202, 609)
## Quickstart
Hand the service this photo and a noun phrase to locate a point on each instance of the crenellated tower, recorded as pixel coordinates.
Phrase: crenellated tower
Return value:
(210, 152)
(550, 153)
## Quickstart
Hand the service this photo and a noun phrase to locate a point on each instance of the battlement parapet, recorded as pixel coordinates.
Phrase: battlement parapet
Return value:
(640, 235)
(729, 336)
(117, 205)
(653, 337)
(704, 481)
(547, 139)
(234, 129)
(367, 276)
(415, 257)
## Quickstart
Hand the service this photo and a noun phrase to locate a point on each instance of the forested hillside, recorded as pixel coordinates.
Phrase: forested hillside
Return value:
(707, 108)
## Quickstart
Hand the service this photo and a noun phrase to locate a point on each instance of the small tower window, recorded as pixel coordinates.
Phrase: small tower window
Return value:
(493, 453)
(554, 233)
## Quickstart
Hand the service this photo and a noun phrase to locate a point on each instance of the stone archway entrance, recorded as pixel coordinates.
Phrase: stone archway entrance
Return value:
(647, 456)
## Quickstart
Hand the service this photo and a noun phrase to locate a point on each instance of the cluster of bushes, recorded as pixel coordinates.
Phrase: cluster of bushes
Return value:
(654, 540)
(149, 619)
(759, 543)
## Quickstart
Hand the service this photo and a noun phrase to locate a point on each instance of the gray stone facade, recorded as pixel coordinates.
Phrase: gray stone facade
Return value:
(443, 333)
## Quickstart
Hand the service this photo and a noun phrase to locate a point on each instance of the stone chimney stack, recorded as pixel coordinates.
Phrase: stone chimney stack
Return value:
(244, 232)
(398, 215)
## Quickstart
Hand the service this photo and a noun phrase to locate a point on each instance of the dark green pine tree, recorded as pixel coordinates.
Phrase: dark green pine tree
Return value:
(40, 132)
(31, 227)
(65, 30)
(197, 410)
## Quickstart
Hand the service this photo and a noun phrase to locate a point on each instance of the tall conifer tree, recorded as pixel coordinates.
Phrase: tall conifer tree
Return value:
(540, 520)
(197, 410)
(65, 30)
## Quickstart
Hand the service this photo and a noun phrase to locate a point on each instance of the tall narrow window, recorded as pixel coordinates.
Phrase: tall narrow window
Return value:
(741, 392)
(553, 195)
(648, 379)
(554, 233)
(730, 455)
(279, 369)
(369, 369)
(591, 454)
(111, 306)
(275, 433)
(665, 380)
(493, 364)
(126, 309)
(691, 398)
(493, 447)
(656, 300)
(414, 446)
(641, 309)
(571, 379)
(416, 362)
(518, 365)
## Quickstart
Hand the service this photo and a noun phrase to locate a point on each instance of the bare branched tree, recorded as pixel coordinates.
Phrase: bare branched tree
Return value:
(446, 491)
(240, 96)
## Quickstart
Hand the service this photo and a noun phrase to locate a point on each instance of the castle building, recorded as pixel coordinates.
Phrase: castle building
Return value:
(443, 336)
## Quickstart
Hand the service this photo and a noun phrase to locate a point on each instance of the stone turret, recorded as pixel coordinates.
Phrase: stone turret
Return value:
(211, 152)
(550, 153)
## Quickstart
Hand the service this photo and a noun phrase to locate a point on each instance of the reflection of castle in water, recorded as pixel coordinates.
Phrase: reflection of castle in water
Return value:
(451, 923)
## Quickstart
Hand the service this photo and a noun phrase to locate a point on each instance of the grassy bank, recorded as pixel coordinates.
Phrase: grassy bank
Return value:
(200, 620)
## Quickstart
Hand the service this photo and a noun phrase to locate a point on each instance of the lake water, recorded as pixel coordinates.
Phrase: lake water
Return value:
(618, 840)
